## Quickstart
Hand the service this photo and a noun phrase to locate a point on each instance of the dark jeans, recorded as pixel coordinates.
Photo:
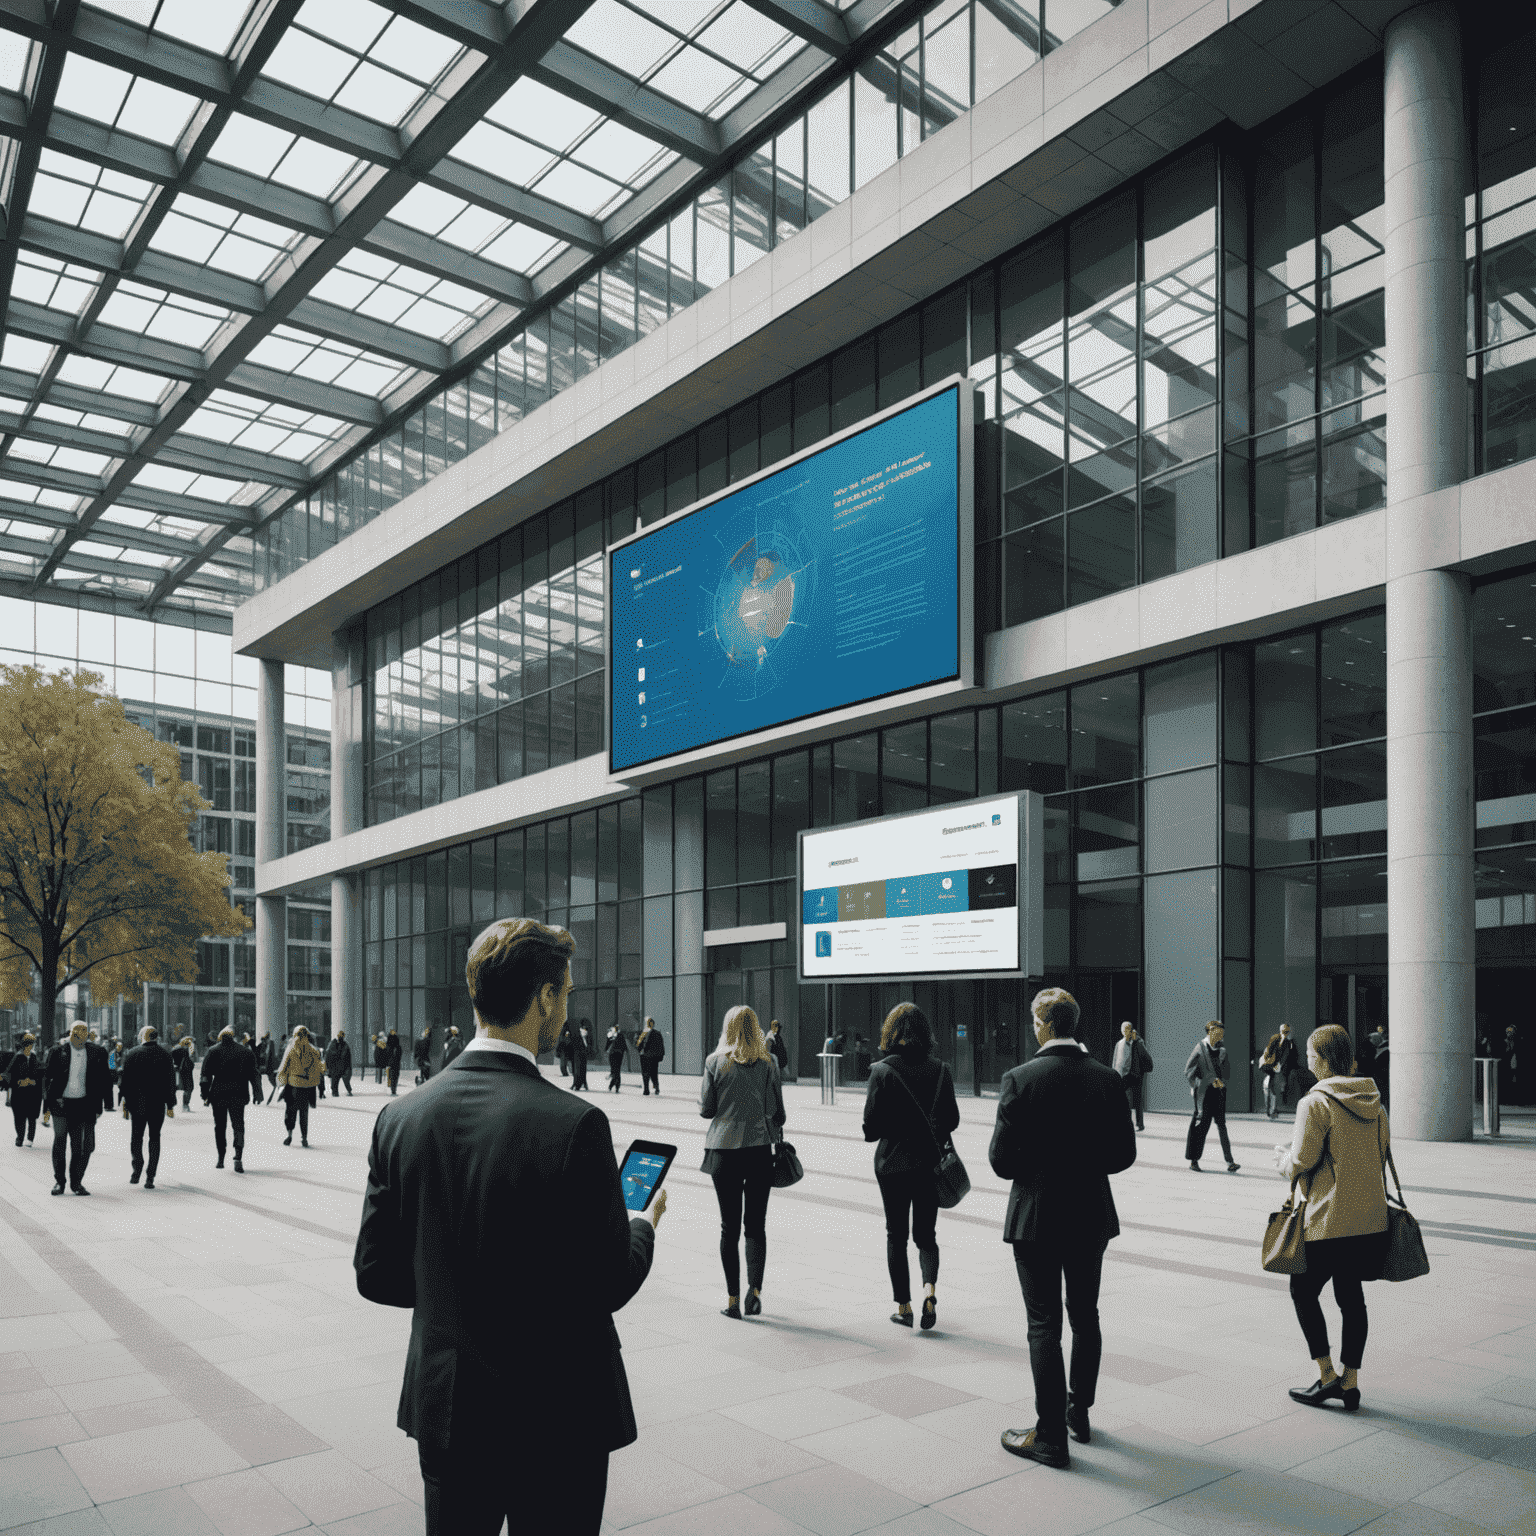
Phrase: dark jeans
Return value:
(743, 1180)
(1274, 1093)
(1212, 1107)
(186, 1094)
(338, 1078)
(471, 1495)
(1042, 1269)
(1346, 1261)
(424, 1070)
(236, 1115)
(74, 1123)
(25, 1116)
(393, 1074)
(297, 1108)
(615, 1073)
(650, 1075)
(915, 1193)
(578, 1072)
(1133, 1094)
(141, 1118)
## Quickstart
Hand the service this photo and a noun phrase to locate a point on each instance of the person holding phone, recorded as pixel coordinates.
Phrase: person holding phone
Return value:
(494, 1209)
(743, 1100)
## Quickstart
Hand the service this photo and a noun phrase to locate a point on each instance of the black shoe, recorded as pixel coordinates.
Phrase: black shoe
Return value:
(304, 1142)
(1233, 1167)
(1031, 1447)
(80, 1189)
(904, 1319)
(133, 1178)
(930, 1311)
(239, 1166)
(752, 1304)
(18, 1141)
(149, 1183)
(288, 1139)
(1077, 1423)
(1194, 1167)
(1320, 1392)
(732, 1311)
(220, 1162)
(58, 1189)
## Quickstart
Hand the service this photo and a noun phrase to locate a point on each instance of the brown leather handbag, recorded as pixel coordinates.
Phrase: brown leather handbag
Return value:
(1285, 1241)
(1404, 1257)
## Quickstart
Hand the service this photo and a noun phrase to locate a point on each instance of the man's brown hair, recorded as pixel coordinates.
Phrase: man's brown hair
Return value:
(510, 963)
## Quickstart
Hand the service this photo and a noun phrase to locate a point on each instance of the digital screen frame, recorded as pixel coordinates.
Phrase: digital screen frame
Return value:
(931, 901)
(763, 594)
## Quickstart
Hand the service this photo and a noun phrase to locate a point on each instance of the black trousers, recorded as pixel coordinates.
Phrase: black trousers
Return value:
(1043, 1268)
(24, 1113)
(424, 1070)
(1212, 1107)
(743, 1180)
(297, 1108)
(144, 1117)
(578, 1072)
(471, 1495)
(74, 1124)
(1133, 1095)
(901, 1194)
(650, 1075)
(393, 1074)
(1346, 1261)
(186, 1094)
(339, 1078)
(615, 1072)
(236, 1117)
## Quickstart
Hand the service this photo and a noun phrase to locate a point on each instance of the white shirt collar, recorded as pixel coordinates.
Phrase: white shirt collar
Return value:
(485, 1043)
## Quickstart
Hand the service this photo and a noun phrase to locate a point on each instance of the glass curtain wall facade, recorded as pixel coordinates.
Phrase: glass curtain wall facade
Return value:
(185, 688)
(955, 55)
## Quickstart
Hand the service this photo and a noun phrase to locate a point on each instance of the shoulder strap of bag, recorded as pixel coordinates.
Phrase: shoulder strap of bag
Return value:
(1386, 1162)
(927, 1118)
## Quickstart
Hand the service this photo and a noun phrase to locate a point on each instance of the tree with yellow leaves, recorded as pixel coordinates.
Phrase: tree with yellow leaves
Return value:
(98, 875)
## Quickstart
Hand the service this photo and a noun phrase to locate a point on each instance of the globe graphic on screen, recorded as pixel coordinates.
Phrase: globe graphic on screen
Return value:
(755, 600)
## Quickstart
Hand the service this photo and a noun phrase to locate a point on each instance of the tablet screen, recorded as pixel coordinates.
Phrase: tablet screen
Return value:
(645, 1165)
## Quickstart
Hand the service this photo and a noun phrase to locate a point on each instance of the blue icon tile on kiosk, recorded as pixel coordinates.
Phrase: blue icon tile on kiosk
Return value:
(819, 906)
(823, 945)
(945, 892)
(903, 898)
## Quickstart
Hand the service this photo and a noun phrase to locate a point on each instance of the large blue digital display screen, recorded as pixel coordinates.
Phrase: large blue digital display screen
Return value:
(832, 581)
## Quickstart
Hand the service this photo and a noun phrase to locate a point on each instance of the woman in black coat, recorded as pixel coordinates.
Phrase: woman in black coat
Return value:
(24, 1078)
(392, 1055)
(910, 1109)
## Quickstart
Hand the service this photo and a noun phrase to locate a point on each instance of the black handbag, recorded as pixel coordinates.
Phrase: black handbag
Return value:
(786, 1163)
(950, 1179)
(1404, 1257)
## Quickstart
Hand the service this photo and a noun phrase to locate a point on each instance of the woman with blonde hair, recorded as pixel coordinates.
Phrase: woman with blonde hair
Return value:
(742, 1098)
(300, 1073)
(1338, 1149)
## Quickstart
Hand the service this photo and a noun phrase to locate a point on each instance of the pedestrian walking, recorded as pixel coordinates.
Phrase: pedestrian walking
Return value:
(581, 1044)
(338, 1062)
(499, 1340)
(266, 1062)
(1063, 1126)
(300, 1073)
(380, 1056)
(452, 1046)
(1133, 1061)
(114, 1057)
(618, 1049)
(776, 1048)
(422, 1051)
(741, 1097)
(149, 1096)
(1277, 1067)
(651, 1048)
(563, 1051)
(910, 1110)
(77, 1087)
(1206, 1072)
(183, 1054)
(1339, 1146)
(24, 1079)
(230, 1078)
(393, 1054)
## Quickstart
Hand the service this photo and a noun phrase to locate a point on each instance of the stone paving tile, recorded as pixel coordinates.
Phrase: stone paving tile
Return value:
(1385, 1467)
(832, 1501)
(109, 1390)
(904, 1395)
(1502, 1498)
(644, 1483)
(789, 1415)
(38, 1485)
(402, 1519)
(245, 1504)
(116, 1417)
(1419, 1520)
(913, 1462)
(169, 1512)
(23, 1435)
(142, 1460)
(84, 1522)
(36, 1404)
(327, 1487)
(1272, 1501)
(263, 1433)
(735, 1513)
(715, 1446)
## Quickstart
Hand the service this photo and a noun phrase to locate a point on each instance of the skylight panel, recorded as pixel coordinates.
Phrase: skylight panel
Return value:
(358, 21)
(251, 146)
(159, 477)
(543, 114)
(378, 94)
(577, 188)
(188, 238)
(52, 284)
(622, 153)
(427, 318)
(280, 352)
(156, 112)
(473, 228)
(414, 50)
(427, 209)
(745, 38)
(25, 354)
(522, 249)
(136, 385)
(210, 24)
(242, 257)
(621, 36)
(308, 64)
(14, 49)
(92, 90)
(368, 378)
(384, 303)
(315, 168)
(57, 199)
(502, 154)
(695, 79)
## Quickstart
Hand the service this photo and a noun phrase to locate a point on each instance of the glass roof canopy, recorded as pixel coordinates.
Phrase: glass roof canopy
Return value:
(236, 236)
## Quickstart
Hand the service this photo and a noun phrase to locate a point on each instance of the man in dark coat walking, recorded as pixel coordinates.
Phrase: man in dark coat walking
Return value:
(24, 1078)
(651, 1049)
(422, 1052)
(580, 1046)
(149, 1095)
(1063, 1126)
(493, 1195)
(338, 1062)
(77, 1087)
(392, 1054)
(230, 1080)
(452, 1046)
(1207, 1073)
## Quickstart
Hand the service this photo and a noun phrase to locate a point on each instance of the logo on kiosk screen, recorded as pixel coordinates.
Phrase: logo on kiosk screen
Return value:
(823, 944)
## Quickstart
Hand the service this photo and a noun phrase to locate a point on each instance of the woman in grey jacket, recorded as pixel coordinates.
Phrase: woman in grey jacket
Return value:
(742, 1098)
(1338, 1150)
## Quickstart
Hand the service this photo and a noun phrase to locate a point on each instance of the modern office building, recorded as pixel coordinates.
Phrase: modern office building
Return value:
(396, 333)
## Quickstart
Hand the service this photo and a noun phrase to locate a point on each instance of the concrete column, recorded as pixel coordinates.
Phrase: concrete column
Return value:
(347, 962)
(271, 800)
(346, 817)
(1431, 955)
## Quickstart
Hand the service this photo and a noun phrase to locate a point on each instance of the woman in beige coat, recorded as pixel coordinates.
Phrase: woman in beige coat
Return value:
(301, 1072)
(1338, 1153)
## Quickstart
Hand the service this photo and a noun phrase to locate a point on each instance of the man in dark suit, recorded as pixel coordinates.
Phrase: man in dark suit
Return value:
(1206, 1071)
(77, 1087)
(494, 1210)
(149, 1095)
(230, 1079)
(1063, 1126)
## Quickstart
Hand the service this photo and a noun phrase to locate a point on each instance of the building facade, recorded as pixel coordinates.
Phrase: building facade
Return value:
(1245, 303)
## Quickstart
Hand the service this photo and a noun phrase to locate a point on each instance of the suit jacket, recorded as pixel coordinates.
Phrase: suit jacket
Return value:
(452, 1050)
(1206, 1063)
(98, 1078)
(338, 1056)
(149, 1076)
(741, 1103)
(494, 1210)
(1063, 1126)
(896, 1107)
(393, 1051)
(28, 1100)
(230, 1075)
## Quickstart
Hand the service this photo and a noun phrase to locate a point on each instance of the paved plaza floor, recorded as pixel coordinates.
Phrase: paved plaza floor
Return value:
(196, 1359)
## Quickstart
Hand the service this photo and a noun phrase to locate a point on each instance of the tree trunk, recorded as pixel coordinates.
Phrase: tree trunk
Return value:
(47, 1007)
